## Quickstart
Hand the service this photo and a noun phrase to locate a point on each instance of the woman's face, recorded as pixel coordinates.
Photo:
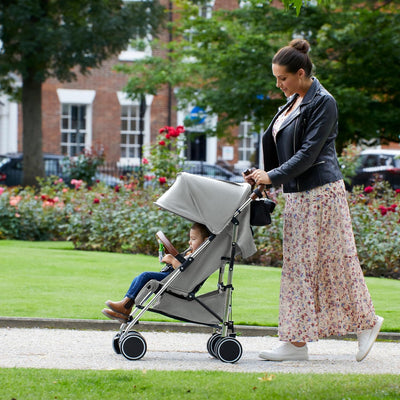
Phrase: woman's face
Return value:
(288, 82)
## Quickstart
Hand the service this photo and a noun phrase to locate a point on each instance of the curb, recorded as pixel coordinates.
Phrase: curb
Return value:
(101, 325)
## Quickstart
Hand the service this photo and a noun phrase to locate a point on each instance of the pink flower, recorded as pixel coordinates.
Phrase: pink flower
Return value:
(397, 191)
(149, 177)
(65, 190)
(14, 200)
(96, 200)
(161, 143)
(2, 190)
(76, 182)
(368, 189)
(145, 161)
(17, 215)
(162, 180)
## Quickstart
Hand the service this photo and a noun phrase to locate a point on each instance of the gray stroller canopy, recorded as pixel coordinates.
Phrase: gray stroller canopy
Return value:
(211, 202)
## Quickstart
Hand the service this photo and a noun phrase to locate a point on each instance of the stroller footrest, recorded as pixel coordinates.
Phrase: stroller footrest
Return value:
(148, 289)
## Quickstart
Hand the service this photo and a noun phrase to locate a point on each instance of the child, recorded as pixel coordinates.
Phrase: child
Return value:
(121, 310)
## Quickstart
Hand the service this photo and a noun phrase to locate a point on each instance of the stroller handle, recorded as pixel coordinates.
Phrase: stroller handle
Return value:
(258, 191)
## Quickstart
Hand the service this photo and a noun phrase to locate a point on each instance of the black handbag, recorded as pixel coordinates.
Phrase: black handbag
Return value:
(260, 211)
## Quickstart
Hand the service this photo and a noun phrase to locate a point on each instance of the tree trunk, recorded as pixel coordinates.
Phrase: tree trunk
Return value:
(33, 165)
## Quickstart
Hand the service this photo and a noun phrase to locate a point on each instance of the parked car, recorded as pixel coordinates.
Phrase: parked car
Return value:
(378, 164)
(11, 167)
(11, 170)
(211, 171)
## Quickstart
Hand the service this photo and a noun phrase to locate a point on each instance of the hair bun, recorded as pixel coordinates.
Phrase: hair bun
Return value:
(301, 45)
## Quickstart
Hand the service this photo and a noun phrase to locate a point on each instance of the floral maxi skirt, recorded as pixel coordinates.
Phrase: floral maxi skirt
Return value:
(323, 291)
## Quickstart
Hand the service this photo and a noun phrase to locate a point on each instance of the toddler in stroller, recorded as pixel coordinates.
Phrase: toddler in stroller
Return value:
(121, 310)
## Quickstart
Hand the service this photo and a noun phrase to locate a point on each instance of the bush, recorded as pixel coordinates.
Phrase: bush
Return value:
(125, 219)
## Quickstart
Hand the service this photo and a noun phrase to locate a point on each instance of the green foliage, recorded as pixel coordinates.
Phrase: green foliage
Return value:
(223, 64)
(41, 39)
(348, 161)
(84, 167)
(165, 160)
(376, 224)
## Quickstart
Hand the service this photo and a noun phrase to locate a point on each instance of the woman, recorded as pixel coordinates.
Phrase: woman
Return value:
(323, 291)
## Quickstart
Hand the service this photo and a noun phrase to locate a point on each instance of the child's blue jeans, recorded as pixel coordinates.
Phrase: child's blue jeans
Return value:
(142, 279)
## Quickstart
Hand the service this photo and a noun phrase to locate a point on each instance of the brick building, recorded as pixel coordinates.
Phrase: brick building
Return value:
(93, 112)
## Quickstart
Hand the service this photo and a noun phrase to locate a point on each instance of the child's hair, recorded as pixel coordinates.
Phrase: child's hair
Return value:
(204, 231)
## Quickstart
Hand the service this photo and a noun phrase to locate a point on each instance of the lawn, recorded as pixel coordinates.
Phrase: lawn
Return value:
(195, 385)
(52, 280)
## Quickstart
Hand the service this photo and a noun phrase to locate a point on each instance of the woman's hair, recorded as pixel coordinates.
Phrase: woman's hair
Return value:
(204, 232)
(295, 56)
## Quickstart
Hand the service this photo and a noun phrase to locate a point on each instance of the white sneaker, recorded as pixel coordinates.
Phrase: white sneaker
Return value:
(366, 339)
(286, 352)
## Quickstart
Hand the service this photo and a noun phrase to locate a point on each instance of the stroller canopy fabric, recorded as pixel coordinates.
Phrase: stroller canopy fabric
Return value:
(213, 203)
(208, 201)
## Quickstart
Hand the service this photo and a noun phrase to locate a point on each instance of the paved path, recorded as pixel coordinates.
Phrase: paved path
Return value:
(77, 349)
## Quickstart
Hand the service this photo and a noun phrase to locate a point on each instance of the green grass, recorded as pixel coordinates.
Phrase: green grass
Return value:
(51, 280)
(171, 385)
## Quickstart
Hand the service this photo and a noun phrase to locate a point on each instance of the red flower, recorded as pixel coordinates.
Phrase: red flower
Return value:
(162, 180)
(145, 161)
(161, 143)
(96, 201)
(167, 136)
(180, 129)
(368, 189)
(383, 210)
(392, 207)
(397, 191)
(117, 188)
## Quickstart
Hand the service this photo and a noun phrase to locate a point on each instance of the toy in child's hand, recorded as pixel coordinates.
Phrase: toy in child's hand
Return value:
(168, 247)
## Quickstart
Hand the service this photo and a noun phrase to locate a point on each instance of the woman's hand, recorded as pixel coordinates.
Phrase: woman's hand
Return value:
(260, 177)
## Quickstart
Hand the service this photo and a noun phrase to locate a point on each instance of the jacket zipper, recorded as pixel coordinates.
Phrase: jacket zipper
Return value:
(294, 149)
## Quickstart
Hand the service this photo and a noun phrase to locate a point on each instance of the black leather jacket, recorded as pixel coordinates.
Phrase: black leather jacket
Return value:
(304, 156)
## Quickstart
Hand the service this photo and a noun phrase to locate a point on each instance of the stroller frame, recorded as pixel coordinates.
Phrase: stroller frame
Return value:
(222, 344)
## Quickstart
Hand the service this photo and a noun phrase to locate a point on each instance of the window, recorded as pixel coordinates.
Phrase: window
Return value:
(130, 131)
(73, 129)
(247, 145)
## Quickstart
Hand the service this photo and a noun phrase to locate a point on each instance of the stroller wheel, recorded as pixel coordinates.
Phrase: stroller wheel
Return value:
(133, 346)
(115, 343)
(211, 343)
(228, 349)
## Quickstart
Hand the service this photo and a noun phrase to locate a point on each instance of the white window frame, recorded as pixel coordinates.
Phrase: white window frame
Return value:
(125, 101)
(246, 132)
(79, 97)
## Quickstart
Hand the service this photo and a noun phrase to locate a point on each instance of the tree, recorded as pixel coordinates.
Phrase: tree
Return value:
(48, 38)
(223, 64)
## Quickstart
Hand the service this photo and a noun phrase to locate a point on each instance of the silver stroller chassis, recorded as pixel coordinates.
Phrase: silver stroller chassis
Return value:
(222, 344)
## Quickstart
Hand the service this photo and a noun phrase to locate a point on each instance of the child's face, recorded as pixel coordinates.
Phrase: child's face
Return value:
(195, 239)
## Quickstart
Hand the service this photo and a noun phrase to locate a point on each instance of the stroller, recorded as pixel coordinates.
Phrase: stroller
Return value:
(224, 208)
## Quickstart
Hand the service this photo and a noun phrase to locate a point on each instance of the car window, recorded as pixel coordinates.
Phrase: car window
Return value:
(371, 160)
(4, 160)
(386, 161)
